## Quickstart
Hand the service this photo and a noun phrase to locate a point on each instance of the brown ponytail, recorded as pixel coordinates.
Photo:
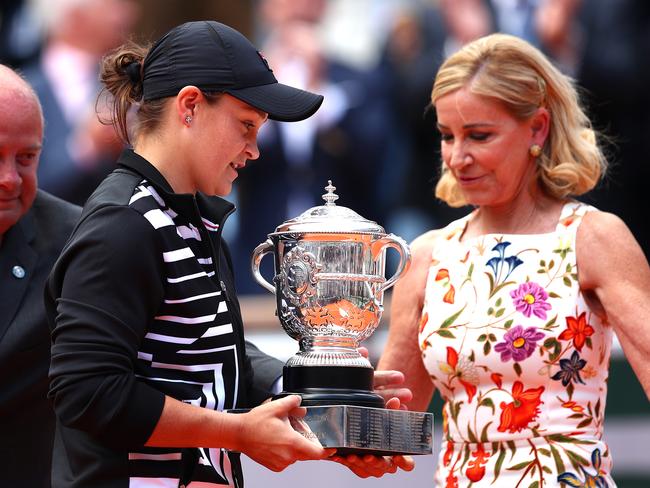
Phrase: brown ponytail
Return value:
(121, 74)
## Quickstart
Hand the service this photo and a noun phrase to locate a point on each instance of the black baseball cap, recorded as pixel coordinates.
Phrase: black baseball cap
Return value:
(215, 57)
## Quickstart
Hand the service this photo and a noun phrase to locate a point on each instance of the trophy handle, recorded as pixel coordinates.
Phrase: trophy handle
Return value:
(260, 251)
(391, 240)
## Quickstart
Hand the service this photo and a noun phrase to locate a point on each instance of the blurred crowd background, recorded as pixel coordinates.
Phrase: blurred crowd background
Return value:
(374, 137)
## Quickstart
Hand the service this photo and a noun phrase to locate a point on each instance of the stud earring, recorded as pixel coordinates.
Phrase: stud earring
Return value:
(188, 119)
(535, 150)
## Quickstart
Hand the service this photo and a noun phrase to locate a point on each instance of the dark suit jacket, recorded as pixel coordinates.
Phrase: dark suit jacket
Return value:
(26, 419)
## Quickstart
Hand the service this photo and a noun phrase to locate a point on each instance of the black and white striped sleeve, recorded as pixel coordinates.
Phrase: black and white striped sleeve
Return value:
(105, 288)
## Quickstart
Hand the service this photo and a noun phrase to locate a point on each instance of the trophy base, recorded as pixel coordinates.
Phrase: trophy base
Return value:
(365, 430)
(314, 397)
(331, 385)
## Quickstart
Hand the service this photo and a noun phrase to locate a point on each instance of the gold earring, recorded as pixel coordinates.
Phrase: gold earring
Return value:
(535, 150)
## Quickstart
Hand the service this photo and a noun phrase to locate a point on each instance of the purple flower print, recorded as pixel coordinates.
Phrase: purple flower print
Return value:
(530, 298)
(519, 344)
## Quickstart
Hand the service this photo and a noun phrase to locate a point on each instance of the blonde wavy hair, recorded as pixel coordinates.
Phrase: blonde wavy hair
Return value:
(517, 74)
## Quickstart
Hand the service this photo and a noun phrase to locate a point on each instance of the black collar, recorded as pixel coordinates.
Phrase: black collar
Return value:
(213, 208)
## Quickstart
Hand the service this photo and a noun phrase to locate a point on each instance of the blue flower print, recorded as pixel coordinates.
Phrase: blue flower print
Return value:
(496, 263)
(591, 480)
(570, 369)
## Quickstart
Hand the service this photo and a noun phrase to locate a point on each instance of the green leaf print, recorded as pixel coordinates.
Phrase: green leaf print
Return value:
(534, 484)
(486, 348)
(450, 320)
(465, 457)
(558, 460)
(520, 466)
(445, 333)
(513, 448)
(484, 434)
(550, 323)
(499, 463)
(487, 402)
(584, 423)
(571, 440)
(576, 460)
(471, 435)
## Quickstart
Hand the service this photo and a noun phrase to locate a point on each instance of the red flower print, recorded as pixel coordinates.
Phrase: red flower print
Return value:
(573, 406)
(452, 357)
(516, 415)
(464, 370)
(449, 296)
(452, 481)
(446, 459)
(423, 321)
(470, 389)
(442, 274)
(476, 467)
(496, 377)
(577, 329)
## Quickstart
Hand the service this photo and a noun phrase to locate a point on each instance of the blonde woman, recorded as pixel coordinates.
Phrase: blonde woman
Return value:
(509, 312)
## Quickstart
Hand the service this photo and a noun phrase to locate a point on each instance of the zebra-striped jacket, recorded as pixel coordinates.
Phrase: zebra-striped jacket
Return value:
(142, 305)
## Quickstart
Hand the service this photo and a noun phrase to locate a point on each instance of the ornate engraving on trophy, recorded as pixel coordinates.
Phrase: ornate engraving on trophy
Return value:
(298, 276)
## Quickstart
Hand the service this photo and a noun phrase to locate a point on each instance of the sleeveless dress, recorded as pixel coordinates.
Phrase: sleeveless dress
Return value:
(519, 359)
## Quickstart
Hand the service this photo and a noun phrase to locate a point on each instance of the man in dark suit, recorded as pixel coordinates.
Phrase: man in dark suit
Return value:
(33, 229)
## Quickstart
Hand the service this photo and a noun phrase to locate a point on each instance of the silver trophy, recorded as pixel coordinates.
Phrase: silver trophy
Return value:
(329, 285)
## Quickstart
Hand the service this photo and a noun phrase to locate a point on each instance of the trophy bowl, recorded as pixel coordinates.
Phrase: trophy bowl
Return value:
(329, 286)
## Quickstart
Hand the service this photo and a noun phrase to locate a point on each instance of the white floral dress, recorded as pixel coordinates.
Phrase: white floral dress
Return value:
(519, 359)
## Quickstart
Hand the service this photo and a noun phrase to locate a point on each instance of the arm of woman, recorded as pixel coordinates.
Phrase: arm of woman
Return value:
(614, 271)
(264, 433)
(402, 351)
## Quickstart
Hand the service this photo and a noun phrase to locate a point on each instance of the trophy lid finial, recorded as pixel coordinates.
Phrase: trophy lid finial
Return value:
(330, 197)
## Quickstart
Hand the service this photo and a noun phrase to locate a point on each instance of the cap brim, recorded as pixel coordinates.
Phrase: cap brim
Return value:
(281, 102)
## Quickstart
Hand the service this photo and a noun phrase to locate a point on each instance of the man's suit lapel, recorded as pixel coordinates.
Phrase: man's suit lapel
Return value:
(16, 250)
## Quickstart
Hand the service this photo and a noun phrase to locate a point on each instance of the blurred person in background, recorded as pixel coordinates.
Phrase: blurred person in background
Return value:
(615, 73)
(413, 52)
(20, 35)
(148, 344)
(550, 25)
(509, 311)
(78, 151)
(345, 141)
(33, 229)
